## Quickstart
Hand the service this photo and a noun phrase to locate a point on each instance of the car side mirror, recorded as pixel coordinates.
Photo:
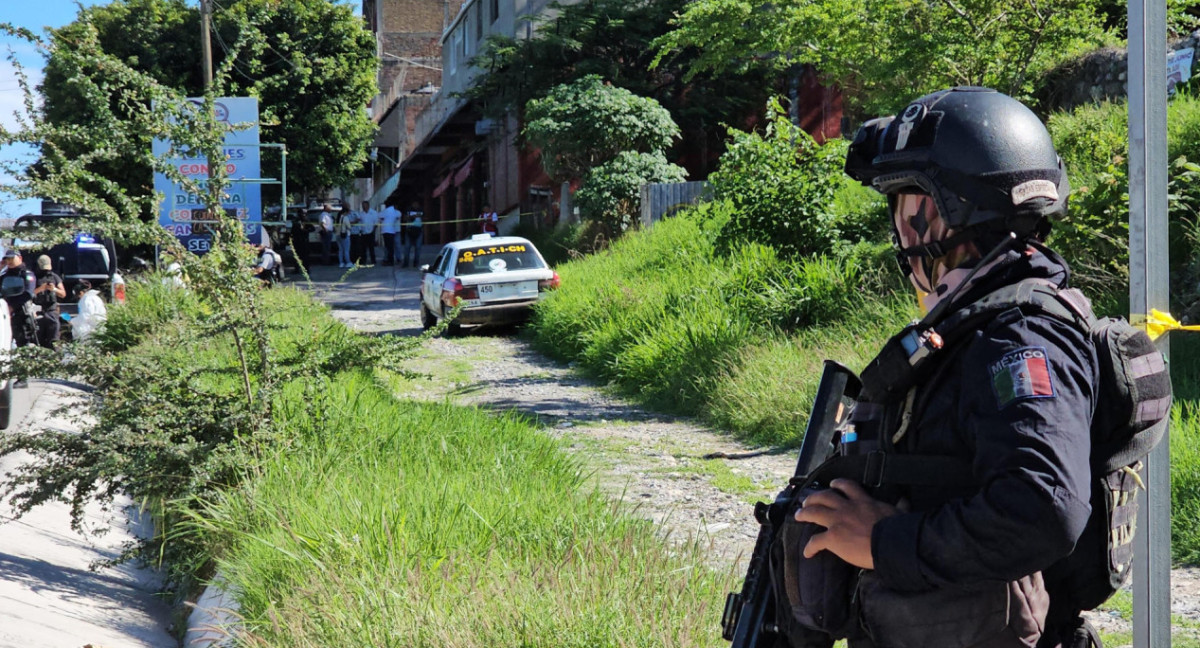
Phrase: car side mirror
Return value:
(425, 268)
(12, 285)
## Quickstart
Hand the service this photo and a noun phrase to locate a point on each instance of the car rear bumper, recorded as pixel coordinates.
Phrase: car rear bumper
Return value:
(513, 311)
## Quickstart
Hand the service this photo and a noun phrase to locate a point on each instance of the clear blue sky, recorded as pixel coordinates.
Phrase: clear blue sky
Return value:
(35, 15)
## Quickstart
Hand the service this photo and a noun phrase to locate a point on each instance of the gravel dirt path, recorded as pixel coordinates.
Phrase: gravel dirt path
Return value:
(657, 464)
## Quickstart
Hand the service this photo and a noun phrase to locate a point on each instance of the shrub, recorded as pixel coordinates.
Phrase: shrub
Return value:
(611, 193)
(1094, 237)
(152, 304)
(782, 185)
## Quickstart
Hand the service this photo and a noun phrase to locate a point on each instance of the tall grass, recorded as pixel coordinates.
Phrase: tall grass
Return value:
(360, 520)
(734, 337)
(387, 523)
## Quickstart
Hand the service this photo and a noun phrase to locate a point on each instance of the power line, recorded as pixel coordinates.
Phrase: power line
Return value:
(266, 42)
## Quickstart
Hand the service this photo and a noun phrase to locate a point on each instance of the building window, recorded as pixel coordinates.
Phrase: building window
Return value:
(466, 42)
(495, 9)
(455, 45)
(479, 22)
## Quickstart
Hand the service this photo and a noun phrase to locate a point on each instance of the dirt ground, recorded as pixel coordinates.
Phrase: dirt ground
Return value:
(672, 470)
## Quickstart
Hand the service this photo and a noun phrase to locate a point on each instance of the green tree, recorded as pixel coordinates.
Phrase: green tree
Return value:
(608, 136)
(612, 38)
(311, 64)
(313, 70)
(884, 51)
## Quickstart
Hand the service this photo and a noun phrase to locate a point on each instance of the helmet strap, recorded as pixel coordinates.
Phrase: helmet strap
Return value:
(934, 315)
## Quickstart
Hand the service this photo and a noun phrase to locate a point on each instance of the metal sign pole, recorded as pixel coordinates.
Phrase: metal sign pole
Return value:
(1148, 288)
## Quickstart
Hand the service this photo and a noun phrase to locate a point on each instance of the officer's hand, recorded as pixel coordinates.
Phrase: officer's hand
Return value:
(848, 514)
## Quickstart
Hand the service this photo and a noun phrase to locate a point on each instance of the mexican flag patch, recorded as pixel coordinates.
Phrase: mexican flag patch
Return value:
(1022, 374)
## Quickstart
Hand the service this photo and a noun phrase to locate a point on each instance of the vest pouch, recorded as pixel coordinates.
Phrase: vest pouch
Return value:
(819, 591)
(990, 614)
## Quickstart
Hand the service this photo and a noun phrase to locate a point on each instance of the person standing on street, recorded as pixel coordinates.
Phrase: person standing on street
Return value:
(973, 181)
(370, 227)
(300, 239)
(370, 232)
(342, 231)
(357, 238)
(389, 226)
(489, 221)
(46, 294)
(24, 320)
(326, 225)
(414, 235)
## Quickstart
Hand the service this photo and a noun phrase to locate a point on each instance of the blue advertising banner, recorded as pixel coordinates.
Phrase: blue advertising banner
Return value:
(180, 208)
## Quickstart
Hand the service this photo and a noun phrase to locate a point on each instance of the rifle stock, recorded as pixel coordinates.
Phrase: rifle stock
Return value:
(749, 618)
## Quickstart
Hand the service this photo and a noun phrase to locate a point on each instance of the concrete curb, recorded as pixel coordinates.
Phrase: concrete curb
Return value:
(215, 618)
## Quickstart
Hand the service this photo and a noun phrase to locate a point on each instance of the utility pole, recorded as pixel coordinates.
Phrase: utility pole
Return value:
(206, 42)
(1148, 288)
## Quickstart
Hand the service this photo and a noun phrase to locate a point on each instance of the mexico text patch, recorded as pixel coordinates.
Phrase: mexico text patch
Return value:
(1021, 374)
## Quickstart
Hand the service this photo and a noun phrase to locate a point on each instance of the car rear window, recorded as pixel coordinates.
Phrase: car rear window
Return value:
(497, 258)
(91, 262)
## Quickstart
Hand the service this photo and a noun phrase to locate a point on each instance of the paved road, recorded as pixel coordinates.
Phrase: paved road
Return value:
(369, 291)
(49, 596)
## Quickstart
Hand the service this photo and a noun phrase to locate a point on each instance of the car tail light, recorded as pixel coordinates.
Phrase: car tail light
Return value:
(453, 291)
(548, 284)
(118, 288)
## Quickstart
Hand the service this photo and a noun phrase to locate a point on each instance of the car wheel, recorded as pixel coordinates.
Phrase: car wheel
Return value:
(453, 328)
(428, 320)
(6, 404)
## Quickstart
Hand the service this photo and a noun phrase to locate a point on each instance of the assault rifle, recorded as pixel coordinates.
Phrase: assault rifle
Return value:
(750, 620)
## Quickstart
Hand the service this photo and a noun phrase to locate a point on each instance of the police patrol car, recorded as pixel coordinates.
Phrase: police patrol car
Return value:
(495, 279)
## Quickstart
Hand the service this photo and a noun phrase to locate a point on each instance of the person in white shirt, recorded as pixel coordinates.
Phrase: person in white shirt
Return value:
(414, 234)
(369, 223)
(389, 225)
(326, 233)
(265, 268)
(92, 312)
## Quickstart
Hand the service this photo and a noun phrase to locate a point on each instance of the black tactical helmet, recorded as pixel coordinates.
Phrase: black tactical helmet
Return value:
(985, 158)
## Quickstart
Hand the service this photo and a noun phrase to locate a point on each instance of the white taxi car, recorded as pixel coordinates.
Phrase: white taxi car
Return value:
(496, 279)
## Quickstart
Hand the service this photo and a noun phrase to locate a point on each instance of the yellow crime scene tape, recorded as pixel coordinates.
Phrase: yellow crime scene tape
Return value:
(1160, 323)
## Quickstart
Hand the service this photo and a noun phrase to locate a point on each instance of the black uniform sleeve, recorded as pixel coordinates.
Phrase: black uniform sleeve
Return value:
(1024, 402)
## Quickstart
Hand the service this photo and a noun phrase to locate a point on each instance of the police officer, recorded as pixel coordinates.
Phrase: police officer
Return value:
(24, 320)
(46, 294)
(972, 180)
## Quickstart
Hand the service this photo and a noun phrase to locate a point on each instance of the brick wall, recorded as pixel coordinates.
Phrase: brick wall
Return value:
(408, 16)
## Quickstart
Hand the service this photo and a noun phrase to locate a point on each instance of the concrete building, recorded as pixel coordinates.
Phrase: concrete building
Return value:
(433, 146)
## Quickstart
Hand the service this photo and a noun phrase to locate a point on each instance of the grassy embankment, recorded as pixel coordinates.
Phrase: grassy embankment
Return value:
(371, 521)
